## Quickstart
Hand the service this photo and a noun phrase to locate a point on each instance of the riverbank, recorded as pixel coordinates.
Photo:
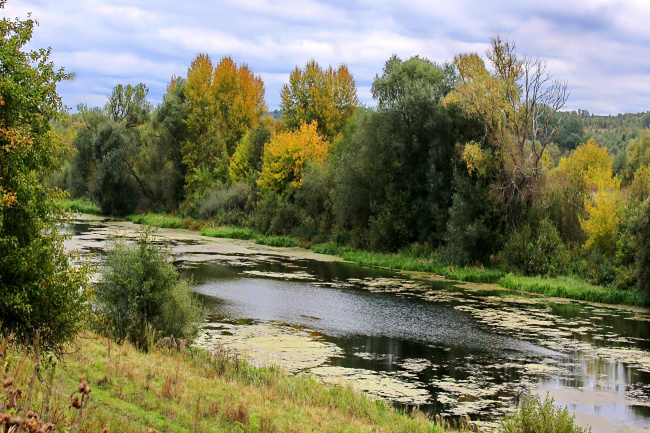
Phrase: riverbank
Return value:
(178, 389)
(568, 287)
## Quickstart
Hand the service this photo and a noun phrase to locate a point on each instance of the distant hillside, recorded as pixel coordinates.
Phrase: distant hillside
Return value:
(614, 131)
(274, 114)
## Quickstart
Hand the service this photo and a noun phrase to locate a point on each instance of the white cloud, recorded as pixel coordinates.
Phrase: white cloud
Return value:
(600, 47)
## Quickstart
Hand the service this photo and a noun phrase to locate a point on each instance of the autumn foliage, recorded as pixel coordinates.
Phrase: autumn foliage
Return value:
(223, 102)
(327, 96)
(285, 157)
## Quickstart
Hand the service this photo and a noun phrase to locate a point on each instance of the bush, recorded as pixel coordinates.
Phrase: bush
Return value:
(535, 250)
(535, 416)
(595, 267)
(140, 289)
(228, 205)
(275, 214)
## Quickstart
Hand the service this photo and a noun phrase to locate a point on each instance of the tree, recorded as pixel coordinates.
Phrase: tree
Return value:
(41, 292)
(246, 162)
(161, 159)
(285, 157)
(328, 97)
(590, 195)
(239, 97)
(640, 230)
(223, 102)
(129, 104)
(517, 103)
(393, 166)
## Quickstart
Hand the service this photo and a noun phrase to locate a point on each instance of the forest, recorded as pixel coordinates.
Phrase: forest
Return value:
(471, 163)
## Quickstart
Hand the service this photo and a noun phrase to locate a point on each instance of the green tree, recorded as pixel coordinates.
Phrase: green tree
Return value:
(246, 162)
(517, 103)
(40, 291)
(639, 229)
(129, 104)
(393, 166)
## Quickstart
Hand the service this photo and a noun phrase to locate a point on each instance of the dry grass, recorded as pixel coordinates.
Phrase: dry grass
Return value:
(178, 389)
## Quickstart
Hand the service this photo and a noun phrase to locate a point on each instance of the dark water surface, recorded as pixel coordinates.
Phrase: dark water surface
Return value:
(457, 350)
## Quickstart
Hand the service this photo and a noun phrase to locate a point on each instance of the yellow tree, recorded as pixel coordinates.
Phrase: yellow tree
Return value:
(203, 148)
(285, 157)
(517, 103)
(239, 100)
(223, 102)
(587, 174)
(328, 97)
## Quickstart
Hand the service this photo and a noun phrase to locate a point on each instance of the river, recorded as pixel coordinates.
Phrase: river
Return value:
(449, 348)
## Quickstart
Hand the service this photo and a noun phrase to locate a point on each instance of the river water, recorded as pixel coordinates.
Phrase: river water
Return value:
(449, 348)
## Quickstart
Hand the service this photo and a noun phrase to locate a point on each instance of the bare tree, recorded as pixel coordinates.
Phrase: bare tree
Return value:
(531, 101)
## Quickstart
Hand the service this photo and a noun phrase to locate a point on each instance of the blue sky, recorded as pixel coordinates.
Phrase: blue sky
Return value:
(600, 47)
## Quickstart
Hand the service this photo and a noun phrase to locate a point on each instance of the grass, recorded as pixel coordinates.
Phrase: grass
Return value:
(572, 288)
(245, 233)
(157, 220)
(562, 287)
(406, 262)
(82, 205)
(178, 389)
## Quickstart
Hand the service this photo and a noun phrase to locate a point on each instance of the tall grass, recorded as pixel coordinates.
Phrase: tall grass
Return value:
(157, 220)
(82, 205)
(173, 388)
(230, 232)
(277, 241)
(572, 288)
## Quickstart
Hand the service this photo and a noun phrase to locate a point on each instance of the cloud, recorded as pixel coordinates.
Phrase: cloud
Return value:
(600, 47)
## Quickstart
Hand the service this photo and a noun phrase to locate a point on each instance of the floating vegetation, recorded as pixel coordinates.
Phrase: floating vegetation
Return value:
(293, 349)
(376, 383)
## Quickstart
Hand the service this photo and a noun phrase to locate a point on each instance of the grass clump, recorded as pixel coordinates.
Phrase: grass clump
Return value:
(81, 205)
(572, 288)
(142, 297)
(157, 220)
(276, 241)
(229, 232)
(537, 416)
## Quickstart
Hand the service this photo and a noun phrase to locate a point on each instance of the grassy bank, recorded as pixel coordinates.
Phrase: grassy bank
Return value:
(82, 205)
(173, 389)
(563, 287)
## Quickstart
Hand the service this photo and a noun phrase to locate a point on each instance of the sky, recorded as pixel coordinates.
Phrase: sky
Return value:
(601, 48)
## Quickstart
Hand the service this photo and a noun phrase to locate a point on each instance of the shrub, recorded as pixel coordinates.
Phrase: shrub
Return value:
(141, 289)
(595, 267)
(535, 250)
(275, 214)
(228, 204)
(535, 416)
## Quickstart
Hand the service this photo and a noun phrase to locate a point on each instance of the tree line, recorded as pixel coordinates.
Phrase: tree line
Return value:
(472, 162)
